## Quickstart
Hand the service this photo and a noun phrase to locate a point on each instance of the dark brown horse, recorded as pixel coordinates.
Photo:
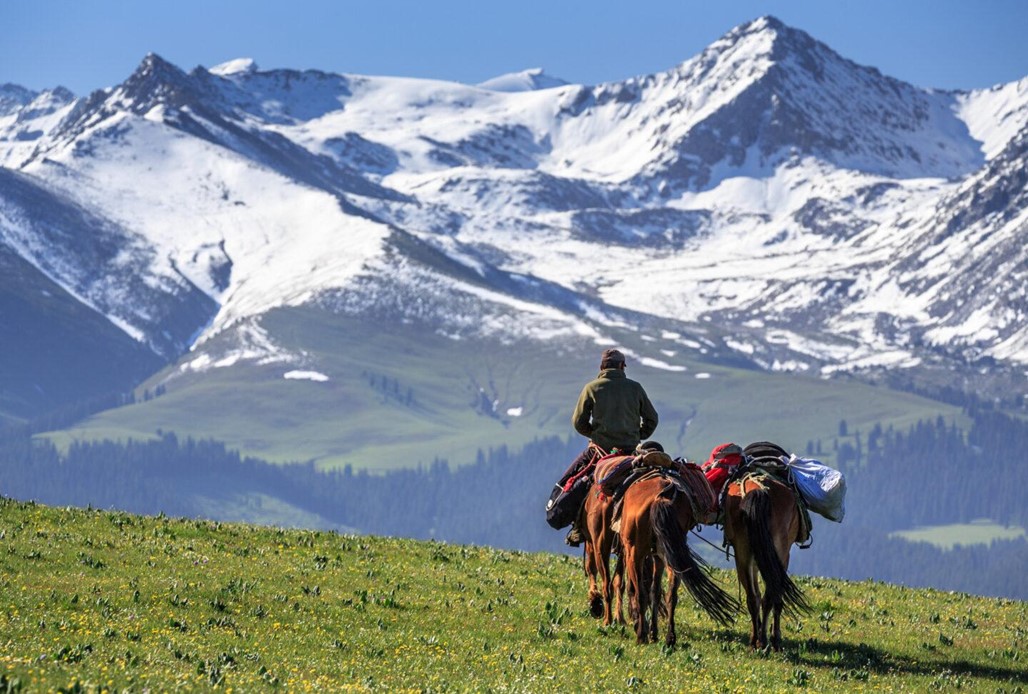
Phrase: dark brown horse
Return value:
(605, 589)
(762, 521)
(657, 513)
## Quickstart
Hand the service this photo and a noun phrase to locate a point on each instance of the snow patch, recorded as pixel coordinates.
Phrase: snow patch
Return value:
(524, 81)
(234, 67)
(305, 376)
(658, 364)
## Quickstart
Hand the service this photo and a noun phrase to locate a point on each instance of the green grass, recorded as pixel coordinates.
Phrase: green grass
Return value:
(979, 532)
(352, 419)
(106, 601)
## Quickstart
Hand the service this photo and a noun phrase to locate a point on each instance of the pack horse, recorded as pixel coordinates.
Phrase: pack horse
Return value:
(763, 518)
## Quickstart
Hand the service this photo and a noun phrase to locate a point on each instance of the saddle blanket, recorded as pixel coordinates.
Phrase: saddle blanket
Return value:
(612, 470)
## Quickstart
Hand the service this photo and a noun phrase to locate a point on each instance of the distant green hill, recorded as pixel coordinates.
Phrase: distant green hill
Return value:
(398, 395)
(96, 600)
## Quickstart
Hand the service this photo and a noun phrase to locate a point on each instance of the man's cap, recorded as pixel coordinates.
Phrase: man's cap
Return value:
(611, 358)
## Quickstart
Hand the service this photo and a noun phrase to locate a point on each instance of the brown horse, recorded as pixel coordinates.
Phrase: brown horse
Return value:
(605, 589)
(762, 521)
(655, 518)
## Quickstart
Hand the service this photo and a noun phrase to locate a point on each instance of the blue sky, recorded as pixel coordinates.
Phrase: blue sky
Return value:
(88, 44)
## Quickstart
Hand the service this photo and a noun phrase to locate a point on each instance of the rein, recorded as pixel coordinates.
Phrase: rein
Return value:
(726, 548)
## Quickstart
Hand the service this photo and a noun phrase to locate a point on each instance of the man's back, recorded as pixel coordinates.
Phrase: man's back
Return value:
(614, 411)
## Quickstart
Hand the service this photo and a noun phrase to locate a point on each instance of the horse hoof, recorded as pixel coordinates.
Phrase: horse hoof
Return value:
(596, 606)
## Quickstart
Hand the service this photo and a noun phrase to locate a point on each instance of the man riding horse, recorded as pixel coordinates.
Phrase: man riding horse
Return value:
(614, 413)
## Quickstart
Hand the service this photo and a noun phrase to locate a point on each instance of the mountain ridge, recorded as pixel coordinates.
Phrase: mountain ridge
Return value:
(813, 209)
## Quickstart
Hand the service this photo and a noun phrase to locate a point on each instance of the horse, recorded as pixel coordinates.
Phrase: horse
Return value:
(605, 589)
(762, 521)
(656, 515)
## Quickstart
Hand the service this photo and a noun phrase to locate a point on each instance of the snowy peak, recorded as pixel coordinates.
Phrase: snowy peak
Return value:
(782, 39)
(25, 118)
(765, 93)
(276, 96)
(13, 97)
(995, 116)
(771, 39)
(27, 105)
(239, 66)
(524, 81)
(156, 81)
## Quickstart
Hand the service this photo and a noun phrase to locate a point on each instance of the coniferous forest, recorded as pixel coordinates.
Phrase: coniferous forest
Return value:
(931, 474)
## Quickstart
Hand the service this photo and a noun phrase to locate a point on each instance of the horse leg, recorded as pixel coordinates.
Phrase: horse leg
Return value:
(636, 580)
(602, 550)
(770, 609)
(758, 627)
(746, 570)
(782, 546)
(595, 599)
(785, 531)
(776, 630)
(618, 583)
(656, 576)
(672, 603)
(645, 581)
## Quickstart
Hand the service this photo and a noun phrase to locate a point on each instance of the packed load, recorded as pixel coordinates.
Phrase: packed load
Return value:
(701, 495)
(613, 474)
(565, 502)
(723, 460)
(823, 488)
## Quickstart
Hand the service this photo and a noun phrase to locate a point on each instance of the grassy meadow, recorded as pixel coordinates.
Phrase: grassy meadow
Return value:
(106, 601)
(397, 396)
(979, 532)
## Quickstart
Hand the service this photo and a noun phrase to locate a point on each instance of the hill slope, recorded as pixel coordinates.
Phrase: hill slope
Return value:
(335, 392)
(828, 219)
(110, 600)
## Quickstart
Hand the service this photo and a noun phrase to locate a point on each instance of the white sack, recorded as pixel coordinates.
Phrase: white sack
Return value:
(823, 488)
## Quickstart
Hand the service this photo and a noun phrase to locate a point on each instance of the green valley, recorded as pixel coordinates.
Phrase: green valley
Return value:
(396, 396)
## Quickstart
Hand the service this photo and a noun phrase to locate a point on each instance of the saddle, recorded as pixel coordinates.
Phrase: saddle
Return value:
(761, 461)
(687, 477)
(612, 470)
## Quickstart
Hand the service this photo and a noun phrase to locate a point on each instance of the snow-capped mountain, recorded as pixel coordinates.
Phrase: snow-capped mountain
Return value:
(800, 211)
(524, 81)
(25, 116)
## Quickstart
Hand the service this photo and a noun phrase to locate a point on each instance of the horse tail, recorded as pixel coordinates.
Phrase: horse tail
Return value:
(778, 586)
(670, 538)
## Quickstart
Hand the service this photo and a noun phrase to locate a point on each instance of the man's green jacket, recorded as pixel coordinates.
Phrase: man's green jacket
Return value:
(614, 411)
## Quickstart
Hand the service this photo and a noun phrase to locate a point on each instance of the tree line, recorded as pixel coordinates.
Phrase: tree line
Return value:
(931, 473)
